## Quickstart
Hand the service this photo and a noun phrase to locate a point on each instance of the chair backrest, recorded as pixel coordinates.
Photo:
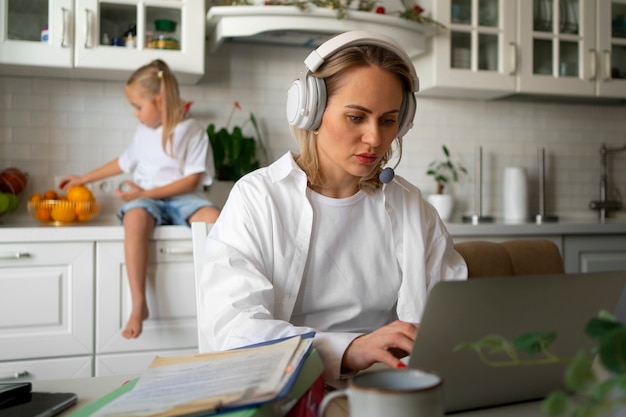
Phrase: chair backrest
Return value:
(512, 257)
(199, 232)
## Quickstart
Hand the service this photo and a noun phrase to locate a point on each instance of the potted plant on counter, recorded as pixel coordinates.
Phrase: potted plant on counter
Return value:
(235, 153)
(444, 172)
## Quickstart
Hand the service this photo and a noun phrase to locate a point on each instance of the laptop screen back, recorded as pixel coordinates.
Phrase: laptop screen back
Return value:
(467, 328)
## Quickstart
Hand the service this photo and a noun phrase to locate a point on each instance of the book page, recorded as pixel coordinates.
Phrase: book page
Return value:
(183, 385)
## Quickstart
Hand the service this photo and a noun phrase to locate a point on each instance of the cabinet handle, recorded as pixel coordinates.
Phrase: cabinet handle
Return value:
(513, 58)
(15, 375)
(176, 251)
(14, 255)
(87, 29)
(607, 65)
(593, 64)
(65, 29)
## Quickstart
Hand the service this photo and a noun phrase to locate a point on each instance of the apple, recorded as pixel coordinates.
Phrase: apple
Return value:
(12, 180)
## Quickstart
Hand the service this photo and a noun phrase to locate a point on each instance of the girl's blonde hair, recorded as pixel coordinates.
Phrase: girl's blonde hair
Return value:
(156, 78)
(333, 72)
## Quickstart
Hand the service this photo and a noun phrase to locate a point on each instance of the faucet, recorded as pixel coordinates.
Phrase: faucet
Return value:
(604, 205)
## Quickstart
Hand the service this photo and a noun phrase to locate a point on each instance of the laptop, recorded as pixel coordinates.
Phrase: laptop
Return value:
(17, 400)
(459, 313)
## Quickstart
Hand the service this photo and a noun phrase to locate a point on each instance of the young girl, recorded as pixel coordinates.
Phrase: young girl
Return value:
(170, 159)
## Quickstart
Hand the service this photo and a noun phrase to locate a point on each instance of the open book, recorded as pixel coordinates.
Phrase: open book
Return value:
(205, 383)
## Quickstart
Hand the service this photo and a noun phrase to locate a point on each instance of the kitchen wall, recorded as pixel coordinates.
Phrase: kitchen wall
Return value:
(52, 127)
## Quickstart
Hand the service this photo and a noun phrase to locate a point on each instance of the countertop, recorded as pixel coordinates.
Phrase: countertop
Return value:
(103, 228)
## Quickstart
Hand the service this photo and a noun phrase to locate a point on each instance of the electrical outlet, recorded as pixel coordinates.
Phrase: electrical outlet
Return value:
(103, 187)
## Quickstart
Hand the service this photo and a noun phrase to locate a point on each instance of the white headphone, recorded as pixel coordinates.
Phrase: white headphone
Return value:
(306, 98)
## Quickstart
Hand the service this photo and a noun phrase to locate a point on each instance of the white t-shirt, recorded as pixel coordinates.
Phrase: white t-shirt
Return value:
(342, 250)
(152, 167)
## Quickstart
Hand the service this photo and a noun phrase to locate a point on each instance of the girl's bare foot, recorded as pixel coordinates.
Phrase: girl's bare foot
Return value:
(135, 324)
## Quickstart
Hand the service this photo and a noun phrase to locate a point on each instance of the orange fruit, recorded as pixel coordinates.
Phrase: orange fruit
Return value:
(50, 195)
(35, 198)
(85, 210)
(63, 212)
(43, 214)
(79, 193)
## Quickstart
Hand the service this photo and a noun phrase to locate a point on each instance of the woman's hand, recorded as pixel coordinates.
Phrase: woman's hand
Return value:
(386, 345)
(66, 182)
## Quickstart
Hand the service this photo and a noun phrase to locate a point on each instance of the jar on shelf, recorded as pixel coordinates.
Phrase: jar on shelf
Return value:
(130, 36)
(165, 35)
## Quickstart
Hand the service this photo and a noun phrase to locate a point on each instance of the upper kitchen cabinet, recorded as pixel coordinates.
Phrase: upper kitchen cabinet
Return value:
(101, 39)
(499, 48)
(475, 57)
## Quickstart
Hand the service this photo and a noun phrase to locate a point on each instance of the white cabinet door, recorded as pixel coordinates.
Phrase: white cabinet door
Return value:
(57, 368)
(170, 292)
(475, 56)
(595, 253)
(20, 42)
(611, 48)
(557, 47)
(46, 299)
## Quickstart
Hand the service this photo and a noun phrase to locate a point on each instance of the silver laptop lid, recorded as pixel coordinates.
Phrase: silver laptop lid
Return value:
(462, 312)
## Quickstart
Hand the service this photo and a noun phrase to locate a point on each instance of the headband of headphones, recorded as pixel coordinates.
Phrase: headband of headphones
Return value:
(359, 37)
(306, 98)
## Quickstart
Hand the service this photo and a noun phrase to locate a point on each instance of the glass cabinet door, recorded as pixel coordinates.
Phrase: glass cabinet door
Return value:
(612, 48)
(475, 35)
(36, 32)
(557, 46)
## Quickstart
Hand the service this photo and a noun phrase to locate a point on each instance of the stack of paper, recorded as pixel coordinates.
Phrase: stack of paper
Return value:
(203, 384)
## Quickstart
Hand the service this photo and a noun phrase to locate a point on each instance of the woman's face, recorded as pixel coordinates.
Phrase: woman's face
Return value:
(147, 110)
(358, 126)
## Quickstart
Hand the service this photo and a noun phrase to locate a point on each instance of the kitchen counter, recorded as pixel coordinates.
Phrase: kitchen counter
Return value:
(103, 228)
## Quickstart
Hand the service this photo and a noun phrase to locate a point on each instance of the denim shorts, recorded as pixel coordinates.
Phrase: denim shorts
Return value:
(169, 211)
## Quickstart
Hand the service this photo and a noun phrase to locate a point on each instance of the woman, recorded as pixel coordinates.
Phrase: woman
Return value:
(317, 241)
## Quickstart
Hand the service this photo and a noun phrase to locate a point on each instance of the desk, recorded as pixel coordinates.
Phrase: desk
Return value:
(90, 389)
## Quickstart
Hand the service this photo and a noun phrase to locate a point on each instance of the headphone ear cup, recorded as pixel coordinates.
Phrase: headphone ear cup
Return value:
(306, 99)
(318, 105)
(296, 103)
(407, 113)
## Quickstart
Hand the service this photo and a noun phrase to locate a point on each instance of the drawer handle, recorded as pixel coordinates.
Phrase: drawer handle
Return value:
(14, 255)
(16, 375)
(65, 17)
(176, 251)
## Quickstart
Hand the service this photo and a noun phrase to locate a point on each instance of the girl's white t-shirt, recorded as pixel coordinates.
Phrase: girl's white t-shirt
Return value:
(152, 167)
(351, 240)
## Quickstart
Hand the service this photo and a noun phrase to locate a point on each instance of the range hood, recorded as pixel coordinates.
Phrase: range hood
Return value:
(289, 25)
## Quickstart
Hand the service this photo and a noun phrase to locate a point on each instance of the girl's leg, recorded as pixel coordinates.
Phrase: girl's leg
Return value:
(205, 214)
(138, 227)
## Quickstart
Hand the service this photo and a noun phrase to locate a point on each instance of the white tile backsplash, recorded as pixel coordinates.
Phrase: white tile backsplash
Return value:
(53, 127)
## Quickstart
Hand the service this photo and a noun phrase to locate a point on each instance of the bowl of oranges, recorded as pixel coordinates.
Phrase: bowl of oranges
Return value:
(77, 206)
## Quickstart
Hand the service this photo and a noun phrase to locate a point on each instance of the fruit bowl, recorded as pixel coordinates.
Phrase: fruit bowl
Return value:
(62, 212)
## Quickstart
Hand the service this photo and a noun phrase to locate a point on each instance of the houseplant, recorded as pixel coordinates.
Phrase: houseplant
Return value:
(235, 153)
(599, 387)
(444, 172)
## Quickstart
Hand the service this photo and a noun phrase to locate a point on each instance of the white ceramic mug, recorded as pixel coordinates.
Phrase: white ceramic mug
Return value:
(391, 393)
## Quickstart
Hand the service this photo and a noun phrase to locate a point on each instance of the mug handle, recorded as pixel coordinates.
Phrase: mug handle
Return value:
(328, 398)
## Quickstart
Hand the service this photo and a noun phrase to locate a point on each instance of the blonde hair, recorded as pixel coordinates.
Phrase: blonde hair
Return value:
(156, 78)
(333, 72)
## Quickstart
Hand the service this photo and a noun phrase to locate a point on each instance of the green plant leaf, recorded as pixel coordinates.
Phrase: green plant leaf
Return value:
(555, 404)
(599, 327)
(612, 350)
(579, 375)
(534, 343)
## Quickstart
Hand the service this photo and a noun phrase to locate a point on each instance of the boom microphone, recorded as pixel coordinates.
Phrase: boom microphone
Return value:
(386, 175)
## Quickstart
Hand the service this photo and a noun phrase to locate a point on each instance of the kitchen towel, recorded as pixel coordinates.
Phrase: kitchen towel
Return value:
(515, 195)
